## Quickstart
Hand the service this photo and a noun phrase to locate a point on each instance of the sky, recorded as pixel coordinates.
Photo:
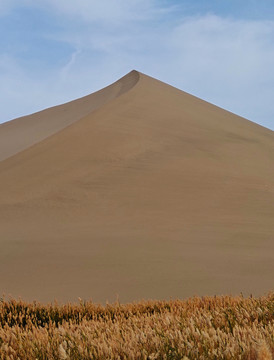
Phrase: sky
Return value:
(54, 51)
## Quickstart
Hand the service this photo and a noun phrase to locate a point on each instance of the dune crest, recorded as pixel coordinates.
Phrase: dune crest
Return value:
(156, 194)
(19, 134)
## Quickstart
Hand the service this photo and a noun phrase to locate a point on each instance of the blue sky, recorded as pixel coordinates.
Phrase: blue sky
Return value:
(220, 50)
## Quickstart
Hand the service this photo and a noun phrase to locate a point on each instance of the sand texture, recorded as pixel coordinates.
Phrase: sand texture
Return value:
(137, 191)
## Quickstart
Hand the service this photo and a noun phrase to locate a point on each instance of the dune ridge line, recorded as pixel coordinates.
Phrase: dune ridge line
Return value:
(19, 134)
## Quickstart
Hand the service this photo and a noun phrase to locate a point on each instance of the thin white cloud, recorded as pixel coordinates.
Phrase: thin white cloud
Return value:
(223, 60)
(66, 69)
(104, 10)
(226, 61)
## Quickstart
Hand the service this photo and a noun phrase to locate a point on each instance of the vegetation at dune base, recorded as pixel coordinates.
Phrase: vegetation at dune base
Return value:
(198, 328)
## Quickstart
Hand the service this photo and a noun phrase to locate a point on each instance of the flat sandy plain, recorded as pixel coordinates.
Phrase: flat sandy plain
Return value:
(138, 191)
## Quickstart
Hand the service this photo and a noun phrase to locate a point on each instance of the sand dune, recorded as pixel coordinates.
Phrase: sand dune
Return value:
(21, 133)
(139, 191)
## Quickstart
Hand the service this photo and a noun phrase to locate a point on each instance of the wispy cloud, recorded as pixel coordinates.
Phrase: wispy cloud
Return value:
(225, 60)
(66, 69)
(107, 12)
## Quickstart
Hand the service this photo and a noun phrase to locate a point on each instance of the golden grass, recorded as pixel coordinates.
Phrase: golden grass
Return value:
(198, 328)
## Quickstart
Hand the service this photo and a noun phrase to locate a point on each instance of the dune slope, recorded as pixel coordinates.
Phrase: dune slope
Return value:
(144, 192)
(21, 133)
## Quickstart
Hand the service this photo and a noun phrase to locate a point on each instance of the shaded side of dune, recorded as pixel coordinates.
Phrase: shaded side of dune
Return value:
(19, 134)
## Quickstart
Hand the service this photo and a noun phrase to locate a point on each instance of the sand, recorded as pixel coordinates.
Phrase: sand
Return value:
(138, 191)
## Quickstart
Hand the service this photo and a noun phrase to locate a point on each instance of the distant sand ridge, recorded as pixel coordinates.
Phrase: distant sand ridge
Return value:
(139, 190)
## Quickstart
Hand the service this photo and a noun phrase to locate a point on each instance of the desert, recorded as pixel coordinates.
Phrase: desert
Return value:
(138, 191)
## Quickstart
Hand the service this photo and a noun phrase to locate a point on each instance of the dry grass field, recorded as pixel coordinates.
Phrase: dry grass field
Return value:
(197, 328)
